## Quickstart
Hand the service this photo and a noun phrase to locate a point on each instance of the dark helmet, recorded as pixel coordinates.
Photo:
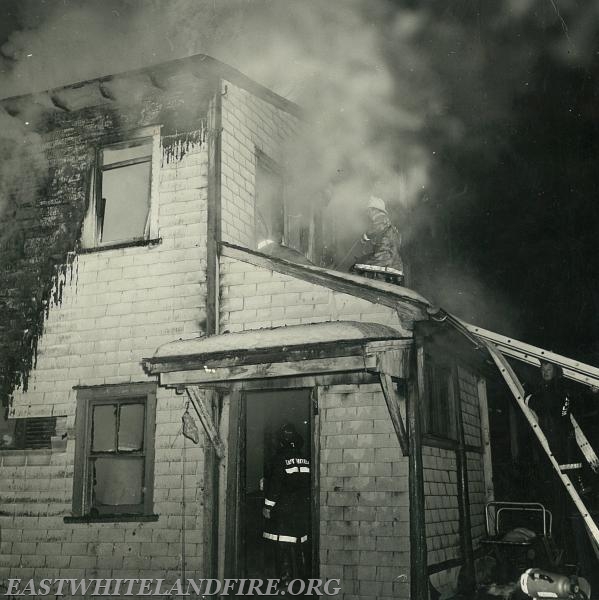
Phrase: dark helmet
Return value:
(289, 437)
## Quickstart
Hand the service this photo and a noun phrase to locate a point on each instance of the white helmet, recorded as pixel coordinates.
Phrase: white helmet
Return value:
(377, 203)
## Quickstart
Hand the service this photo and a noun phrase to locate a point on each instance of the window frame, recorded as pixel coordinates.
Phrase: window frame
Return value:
(432, 366)
(87, 398)
(307, 227)
(90, 237)
(264, 162)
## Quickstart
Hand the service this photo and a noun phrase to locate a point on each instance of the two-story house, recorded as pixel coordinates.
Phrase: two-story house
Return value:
(157, 288)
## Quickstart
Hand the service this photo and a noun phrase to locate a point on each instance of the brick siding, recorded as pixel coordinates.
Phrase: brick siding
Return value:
(117, 306)
(441, 504)
(249, 123)
(255, 297)
(473, 437)
(441, 491)
(364, 513)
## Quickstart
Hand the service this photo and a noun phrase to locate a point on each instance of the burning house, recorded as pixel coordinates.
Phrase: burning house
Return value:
(167, 314)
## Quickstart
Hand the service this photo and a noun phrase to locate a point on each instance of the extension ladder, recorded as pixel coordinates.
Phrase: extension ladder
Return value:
(499, 347)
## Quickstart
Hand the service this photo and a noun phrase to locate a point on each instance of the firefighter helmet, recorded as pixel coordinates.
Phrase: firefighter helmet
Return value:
(377, 203)
(289, 437)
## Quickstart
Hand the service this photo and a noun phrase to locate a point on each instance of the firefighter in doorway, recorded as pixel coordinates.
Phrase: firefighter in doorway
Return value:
(383, 261)
(287, 505)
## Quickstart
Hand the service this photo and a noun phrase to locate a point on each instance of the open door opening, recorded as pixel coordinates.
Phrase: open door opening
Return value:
(266, 412)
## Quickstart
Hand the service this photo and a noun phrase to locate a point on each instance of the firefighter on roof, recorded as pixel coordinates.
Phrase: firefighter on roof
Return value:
(385, 244)
(287, 505)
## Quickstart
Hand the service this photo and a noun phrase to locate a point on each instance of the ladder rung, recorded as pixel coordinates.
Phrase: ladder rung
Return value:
(516, 388)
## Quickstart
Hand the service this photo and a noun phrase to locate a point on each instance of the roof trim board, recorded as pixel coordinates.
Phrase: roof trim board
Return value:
(406, 302)
(318, 348)
(198, 61)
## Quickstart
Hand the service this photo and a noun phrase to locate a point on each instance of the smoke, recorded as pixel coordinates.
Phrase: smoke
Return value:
(23, 169)
(401, 100)
(324, 55)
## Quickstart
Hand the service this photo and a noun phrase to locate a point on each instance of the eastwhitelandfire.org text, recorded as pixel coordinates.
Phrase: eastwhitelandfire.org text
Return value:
(186, 587)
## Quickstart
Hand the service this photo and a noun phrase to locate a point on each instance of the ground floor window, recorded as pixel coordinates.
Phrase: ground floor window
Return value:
(114, 460)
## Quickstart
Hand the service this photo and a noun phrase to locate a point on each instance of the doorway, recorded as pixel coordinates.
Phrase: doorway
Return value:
(265, 413)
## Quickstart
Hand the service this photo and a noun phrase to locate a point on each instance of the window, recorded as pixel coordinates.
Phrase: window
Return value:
(279, 217)
(439, 404)
(114, 460)
(121, 208)
(269, 207)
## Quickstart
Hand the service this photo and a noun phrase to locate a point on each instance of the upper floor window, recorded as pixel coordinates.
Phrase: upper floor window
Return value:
(122, 199)
(269, 209)
(439, 402)
(278, 217)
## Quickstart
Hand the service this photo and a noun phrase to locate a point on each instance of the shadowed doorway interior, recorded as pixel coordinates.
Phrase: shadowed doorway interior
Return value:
(266, 412)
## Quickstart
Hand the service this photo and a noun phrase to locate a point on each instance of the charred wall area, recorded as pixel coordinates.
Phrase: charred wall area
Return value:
(45, 194)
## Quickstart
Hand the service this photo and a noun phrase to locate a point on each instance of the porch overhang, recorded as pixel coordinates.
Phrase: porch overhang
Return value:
(292, 351)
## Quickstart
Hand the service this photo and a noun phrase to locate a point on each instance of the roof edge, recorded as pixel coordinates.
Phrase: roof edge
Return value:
(224, 70)
(336, 280)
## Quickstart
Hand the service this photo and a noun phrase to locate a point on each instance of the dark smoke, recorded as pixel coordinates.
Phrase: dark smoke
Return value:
(454, 113)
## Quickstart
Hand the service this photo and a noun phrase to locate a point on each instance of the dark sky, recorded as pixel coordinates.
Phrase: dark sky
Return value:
(504, 230)
(525, 228)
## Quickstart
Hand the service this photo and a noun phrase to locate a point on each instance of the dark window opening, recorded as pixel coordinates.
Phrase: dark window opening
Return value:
(123, 190)
(269, 208)
(27, 434)
(439, 404)
(282, 215)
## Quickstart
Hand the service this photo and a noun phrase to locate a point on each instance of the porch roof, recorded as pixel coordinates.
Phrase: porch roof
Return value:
(275, 338)
(280, 351)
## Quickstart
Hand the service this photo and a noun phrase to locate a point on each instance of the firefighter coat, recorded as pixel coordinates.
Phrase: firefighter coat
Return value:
(287, 496)
(386, 243)
(552, 403)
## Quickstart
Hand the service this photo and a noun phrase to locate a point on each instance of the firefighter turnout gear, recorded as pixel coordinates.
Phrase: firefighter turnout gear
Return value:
(287, 498)
(384, 260)
(287, 504)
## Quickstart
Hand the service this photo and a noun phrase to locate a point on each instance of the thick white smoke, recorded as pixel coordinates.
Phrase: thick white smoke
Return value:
(384, 86)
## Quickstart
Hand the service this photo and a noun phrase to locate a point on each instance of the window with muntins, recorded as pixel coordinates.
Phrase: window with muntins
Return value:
(115, 451)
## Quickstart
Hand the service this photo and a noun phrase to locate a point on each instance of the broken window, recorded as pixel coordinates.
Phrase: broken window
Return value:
(269, 207)
(439, 405)
(114, 465)
(120, 207)
(279, 217)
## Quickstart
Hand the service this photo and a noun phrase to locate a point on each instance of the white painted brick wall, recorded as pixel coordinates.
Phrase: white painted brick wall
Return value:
(117, 308)
(255, 297)
(364, 524)
(249, 123)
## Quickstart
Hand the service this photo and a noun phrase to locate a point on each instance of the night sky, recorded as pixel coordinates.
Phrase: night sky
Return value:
(504, 230)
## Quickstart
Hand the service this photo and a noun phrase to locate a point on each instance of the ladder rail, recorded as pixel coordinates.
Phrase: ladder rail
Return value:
(518, 392)
(572, 369)
(533, 355)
